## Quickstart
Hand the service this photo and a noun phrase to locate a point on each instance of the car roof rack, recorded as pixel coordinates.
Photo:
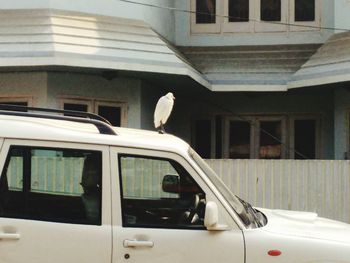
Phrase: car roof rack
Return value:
(103, 125)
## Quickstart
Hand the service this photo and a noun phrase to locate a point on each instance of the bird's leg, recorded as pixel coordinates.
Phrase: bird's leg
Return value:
(161, 130)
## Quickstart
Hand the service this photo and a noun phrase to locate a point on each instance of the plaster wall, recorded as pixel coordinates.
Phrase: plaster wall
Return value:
(73, 85)
(27, 85)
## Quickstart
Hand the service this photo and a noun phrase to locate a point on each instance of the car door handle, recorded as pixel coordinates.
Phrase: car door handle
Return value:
(137, 243)
(11, 236)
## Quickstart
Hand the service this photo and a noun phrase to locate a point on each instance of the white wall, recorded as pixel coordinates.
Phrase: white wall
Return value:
(342, 14)
(160, 20)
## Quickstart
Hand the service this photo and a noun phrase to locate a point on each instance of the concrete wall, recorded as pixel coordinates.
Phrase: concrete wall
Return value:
(90, 86)
(161, 20)
(29, 86)
(184, 37)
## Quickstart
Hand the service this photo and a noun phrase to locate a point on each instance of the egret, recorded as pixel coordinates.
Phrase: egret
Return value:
(162, 112)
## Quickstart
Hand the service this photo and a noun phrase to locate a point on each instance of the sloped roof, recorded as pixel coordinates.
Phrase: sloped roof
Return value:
(250, 68)
(61, 38)
(330, 64)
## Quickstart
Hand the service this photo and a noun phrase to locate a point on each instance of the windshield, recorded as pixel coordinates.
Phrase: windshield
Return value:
(227, 194)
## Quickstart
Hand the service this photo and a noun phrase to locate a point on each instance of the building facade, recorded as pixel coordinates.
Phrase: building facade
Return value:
(257, 79)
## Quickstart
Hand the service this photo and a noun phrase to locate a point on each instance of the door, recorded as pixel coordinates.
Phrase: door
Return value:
(52, 207)
(162, 201)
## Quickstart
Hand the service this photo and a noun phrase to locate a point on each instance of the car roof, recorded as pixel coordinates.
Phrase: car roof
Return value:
(32, 128)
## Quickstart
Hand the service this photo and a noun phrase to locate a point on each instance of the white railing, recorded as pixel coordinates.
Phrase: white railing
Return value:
(321, 186)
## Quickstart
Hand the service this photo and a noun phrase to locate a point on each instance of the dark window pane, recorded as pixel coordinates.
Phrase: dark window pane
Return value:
(203, 138)
(304, 10)
(218, 137)
(270, 10)
(239, 140)
(110, 113)
(205, 11)
(75, 107)
(52, 185)
(305, 139)
(18, 103)
(159, 193)
(270, 140)
(238, 10)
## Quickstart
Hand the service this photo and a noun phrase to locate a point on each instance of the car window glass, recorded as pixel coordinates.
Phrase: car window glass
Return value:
(159, 193)
(58, 185)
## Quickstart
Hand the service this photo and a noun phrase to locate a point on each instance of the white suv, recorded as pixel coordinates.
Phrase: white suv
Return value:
(75, 189)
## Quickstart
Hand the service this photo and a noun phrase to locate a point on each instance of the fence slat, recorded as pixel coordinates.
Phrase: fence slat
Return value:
(321, 186)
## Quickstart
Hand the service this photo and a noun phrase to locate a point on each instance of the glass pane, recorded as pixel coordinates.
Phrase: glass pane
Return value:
(270, 140)
(110, 113)
(239, 140)
(238, 10)
(304, 10)
(305, 139)
(203, 138)
(159, 193)
(205, 11)
(270, 10)
(52, 185)
(75, 107)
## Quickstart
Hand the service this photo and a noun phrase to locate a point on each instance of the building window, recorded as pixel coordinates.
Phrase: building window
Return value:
(159, 193)
(49, 184)
(270, 10)
(258, 137)
(238, 10)
(114, 112)
(206, 11)
(304, 10)
(240, 139)
(243, 16)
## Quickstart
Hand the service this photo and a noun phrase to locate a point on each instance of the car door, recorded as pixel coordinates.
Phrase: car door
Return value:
(157, 220)
(52, 207)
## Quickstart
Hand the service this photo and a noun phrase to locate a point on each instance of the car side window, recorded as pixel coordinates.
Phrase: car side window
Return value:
(159, 193)
(49, 184)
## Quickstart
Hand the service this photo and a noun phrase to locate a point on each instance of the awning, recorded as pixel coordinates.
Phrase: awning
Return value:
(249, 68)
(330, 64)
(50, 38)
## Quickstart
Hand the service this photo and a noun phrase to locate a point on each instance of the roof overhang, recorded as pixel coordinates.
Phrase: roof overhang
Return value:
(54, 38)
(330, 64)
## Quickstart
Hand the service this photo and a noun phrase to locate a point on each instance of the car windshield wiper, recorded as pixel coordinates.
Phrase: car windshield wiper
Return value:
(250, 210)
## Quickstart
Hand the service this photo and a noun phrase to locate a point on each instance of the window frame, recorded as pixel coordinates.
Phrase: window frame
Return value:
(93, 105)
(20, 99)
(316, 23)
(238, 27)
(318, 141)
(206, 28)
(226, 216)
(105, 198)
(287, 135)
(124, 224)
(222, 24)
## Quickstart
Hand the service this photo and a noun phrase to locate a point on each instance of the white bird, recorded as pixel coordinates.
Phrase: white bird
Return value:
(162, 112)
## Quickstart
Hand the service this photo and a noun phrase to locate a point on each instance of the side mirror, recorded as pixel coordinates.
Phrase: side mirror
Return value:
(171, 183)
(211, 218)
